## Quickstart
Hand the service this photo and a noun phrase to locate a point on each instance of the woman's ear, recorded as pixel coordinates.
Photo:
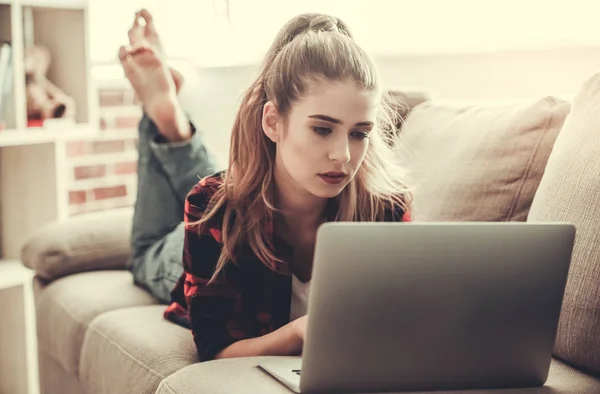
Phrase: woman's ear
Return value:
(271, 121)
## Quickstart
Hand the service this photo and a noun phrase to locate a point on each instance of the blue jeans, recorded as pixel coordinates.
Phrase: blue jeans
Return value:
(166, 173)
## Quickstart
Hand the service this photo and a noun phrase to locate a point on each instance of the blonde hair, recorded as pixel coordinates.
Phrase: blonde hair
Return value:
(309, 47)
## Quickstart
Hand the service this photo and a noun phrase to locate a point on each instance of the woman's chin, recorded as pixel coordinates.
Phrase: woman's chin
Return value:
(328, 191)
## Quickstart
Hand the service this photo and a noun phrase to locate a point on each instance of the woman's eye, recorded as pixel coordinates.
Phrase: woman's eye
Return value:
(322, 130)
(359, 135)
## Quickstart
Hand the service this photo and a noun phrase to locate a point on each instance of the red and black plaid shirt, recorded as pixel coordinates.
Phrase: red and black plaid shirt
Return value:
(248, 299)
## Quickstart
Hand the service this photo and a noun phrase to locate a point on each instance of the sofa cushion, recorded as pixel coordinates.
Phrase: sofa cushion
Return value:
(570, 192)
(403, 101)
(92, 241)
(216, 377)
(53, 378)
(66, 306)
(479, 162)
(133, 350)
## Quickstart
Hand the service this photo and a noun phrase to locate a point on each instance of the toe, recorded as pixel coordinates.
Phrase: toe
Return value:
(126, 61)
(124, 51)
(136, 32)
(147, 16)
(139, 55)
(150, 28)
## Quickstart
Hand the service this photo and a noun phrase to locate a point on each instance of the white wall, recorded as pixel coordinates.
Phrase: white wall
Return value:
(499, 76)
(213, 95)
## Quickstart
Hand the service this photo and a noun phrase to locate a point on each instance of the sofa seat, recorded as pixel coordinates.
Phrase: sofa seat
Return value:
(132, 350)
(68, 305)
(215, 377)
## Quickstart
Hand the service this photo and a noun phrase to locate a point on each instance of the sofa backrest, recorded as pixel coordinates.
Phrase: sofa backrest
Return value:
(478, 161)
(538, 161)
(570, 192)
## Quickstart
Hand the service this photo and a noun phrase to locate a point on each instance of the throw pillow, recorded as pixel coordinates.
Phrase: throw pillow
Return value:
(477, 161)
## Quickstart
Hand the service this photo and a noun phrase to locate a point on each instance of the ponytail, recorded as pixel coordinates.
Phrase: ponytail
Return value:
(246, 193)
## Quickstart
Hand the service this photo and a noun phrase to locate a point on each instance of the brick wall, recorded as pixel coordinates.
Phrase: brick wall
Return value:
(102, 171)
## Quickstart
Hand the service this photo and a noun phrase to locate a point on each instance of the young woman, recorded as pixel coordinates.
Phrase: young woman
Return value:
(308, 146)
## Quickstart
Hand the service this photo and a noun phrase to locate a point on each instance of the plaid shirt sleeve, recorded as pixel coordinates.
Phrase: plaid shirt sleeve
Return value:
(397, 214)
(210, 307)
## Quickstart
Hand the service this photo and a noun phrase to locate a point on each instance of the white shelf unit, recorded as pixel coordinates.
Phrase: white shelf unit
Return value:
(33, 187)
(18, 340)
(33, 184)
(33, 168)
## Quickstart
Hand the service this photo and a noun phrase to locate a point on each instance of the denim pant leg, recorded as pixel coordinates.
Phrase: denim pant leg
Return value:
(166, 173)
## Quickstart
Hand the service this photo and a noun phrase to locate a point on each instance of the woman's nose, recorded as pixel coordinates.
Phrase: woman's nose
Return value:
(340, 151)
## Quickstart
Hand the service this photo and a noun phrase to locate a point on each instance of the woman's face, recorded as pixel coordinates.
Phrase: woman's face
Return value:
(324, 139)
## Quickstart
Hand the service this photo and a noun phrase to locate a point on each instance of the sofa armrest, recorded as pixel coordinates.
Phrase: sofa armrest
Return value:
(96, 241)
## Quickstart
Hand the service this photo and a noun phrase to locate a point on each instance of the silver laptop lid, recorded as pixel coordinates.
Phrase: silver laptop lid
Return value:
(426, 306)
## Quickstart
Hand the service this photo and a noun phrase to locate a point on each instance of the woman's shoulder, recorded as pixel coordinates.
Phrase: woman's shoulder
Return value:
(202, 192)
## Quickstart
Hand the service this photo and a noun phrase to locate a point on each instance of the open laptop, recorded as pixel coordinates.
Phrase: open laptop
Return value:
(431, 306)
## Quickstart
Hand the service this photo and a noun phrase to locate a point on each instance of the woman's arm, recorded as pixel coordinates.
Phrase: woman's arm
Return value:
(286, 341)
(215, 326)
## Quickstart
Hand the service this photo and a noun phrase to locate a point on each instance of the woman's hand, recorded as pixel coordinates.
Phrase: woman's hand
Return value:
(286, 341)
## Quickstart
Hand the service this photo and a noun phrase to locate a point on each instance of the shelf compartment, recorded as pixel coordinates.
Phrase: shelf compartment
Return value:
(54, 28)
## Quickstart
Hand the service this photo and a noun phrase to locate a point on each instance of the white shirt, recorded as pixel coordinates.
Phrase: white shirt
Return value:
(299, 298)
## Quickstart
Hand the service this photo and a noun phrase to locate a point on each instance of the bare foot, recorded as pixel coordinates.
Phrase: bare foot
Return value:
(152, 80)
(143, 31)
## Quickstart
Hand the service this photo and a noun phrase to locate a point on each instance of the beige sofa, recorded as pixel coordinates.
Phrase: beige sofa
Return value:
(98, 333)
